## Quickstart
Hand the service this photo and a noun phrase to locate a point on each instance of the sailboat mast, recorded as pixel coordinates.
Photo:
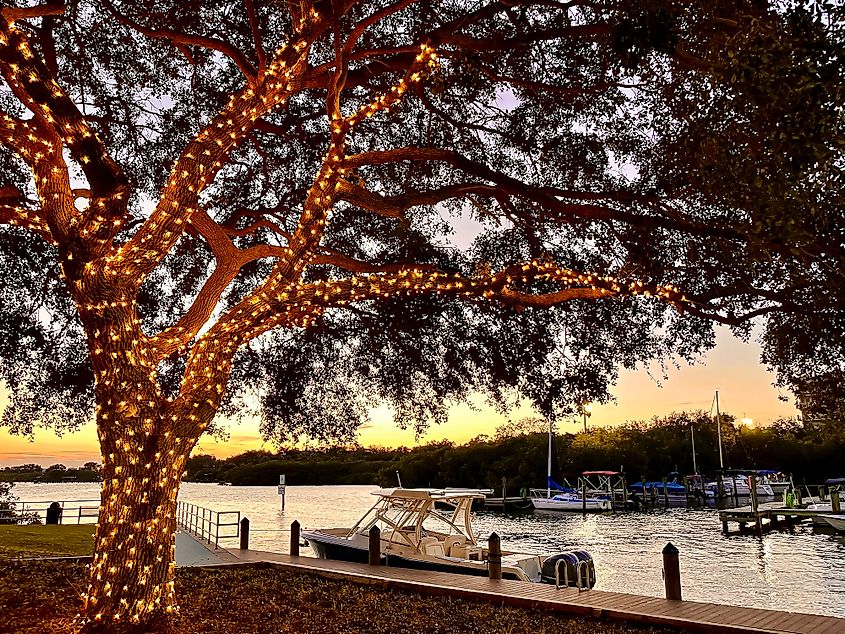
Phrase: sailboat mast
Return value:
(692, 435)
(719, 431)
(549, 476)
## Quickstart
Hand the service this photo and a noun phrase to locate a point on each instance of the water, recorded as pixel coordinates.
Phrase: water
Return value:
(802, 570)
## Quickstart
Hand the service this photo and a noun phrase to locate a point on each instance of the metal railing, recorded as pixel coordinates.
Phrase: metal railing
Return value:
(206, 523)
(73, 511)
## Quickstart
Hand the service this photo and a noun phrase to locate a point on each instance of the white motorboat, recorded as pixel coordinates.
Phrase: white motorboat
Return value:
(778, 481)
(740, 481)
(415, 534)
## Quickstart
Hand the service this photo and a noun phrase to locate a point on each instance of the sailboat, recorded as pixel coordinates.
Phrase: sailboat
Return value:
(556, 497)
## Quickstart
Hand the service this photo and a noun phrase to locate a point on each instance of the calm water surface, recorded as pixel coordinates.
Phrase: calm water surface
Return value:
(802, 570)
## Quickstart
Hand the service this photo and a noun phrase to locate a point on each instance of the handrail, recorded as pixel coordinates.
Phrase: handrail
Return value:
(206, 523)
(70, 509)
(582, 574)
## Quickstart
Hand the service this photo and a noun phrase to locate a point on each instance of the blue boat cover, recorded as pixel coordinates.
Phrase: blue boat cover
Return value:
(557, 487)
(671, 487)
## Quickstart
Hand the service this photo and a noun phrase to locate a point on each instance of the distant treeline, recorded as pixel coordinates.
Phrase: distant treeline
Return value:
(89, 472)
(519, 453)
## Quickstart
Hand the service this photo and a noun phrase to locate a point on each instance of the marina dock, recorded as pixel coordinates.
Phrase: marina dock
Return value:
(686, 615)
(766, 516)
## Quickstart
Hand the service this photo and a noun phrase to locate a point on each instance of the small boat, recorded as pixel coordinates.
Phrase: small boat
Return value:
(742, 488)
(414, 534)
(568, 501)
(778, 481)
(556, 497)
(675, 492)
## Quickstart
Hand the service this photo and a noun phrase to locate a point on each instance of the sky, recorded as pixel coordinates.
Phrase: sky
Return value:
(732, 367)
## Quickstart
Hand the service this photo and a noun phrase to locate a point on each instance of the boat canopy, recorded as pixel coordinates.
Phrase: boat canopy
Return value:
(432, 494)
(406, 515)
(830, 481)
(601, 473)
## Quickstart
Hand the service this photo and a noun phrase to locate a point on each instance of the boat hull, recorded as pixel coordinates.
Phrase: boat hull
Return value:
(341, 549)
(573, 505)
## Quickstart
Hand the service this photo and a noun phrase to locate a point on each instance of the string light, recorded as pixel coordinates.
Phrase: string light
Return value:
(146, 437)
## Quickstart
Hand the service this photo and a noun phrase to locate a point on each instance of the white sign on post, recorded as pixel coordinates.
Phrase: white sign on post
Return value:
(281, 489)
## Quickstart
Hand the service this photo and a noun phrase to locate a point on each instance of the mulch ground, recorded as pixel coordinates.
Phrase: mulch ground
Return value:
(42, 596)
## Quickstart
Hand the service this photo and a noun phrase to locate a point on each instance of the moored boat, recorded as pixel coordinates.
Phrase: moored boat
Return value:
(414, 534)
(737, 485)
(778, 481)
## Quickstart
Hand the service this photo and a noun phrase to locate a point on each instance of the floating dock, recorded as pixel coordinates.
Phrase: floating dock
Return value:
(767, 516)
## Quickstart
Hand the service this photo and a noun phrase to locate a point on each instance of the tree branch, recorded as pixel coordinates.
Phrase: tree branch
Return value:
(180, 39)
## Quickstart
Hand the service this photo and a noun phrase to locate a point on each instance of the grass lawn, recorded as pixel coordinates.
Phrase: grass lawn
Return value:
(51, 540)
(42, 596)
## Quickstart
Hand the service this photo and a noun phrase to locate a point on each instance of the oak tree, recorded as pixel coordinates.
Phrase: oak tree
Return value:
(209, 208)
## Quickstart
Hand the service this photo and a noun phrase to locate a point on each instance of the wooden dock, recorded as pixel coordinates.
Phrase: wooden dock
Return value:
(767, 516)
(685, 615)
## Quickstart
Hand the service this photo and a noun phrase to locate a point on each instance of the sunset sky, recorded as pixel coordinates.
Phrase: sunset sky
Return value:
(733, 367)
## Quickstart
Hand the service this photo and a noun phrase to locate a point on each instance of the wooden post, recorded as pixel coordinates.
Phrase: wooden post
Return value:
(720, 487)
(672, 572)
(504, 492)
(375, 546)
(612, 496)
(294, 539)
(755, 506)
(583, 497)
(822, 491)
(645, 493)
(797, 496)
(494, 556)
(736, 493)
(624, 493)
(665, 494)
(686, 489)
(653, 496)
(244, 534)
(835, 502)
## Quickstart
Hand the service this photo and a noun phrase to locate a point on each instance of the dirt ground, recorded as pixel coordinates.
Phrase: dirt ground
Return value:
(42, 596)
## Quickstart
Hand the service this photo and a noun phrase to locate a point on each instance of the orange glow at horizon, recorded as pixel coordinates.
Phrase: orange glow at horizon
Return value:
(732, 367)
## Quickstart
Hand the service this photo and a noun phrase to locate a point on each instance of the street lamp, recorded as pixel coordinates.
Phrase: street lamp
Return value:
(586, 410)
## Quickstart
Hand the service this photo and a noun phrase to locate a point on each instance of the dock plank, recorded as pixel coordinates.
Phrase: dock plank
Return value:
(692, 615)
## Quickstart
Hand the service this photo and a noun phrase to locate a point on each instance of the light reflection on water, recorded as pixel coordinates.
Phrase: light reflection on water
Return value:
(802, 570)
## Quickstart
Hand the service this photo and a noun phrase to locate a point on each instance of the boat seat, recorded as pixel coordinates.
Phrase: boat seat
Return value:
(455, 545)
(432, 546)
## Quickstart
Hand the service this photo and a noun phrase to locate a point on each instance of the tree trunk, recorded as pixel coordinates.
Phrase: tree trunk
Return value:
(130, 580)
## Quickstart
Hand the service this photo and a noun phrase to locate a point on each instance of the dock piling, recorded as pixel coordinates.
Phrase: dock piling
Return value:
(294, 539)
(672, 572)
(494, 556)
(665, 495)
(835, 502)
(755, 506)
(244, 534)
(624, 493)
(375, 546)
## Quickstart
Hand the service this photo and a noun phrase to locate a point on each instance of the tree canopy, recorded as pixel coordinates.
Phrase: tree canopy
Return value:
(208, 207)
(695, 147)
